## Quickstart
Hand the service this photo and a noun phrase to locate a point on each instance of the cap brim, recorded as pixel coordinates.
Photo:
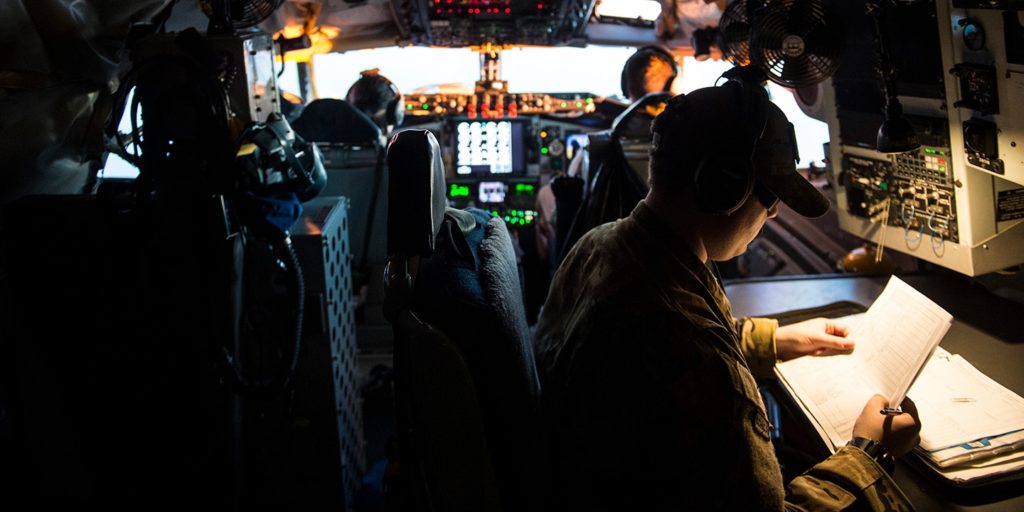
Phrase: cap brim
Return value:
(797, 193)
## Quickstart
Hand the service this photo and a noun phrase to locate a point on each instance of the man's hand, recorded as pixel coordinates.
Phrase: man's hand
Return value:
(899, 434)
(817, 337)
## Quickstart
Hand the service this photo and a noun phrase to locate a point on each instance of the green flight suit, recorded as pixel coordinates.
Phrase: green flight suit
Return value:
(650, 393)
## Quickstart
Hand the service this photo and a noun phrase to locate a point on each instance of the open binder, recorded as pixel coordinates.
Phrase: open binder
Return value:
(972, 427)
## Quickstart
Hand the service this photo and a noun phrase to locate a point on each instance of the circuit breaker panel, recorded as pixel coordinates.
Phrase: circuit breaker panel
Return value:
(958, 200)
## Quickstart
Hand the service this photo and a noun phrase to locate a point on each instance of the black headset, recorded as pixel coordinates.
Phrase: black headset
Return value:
(724, 177)
(393, 113)
(655, 51)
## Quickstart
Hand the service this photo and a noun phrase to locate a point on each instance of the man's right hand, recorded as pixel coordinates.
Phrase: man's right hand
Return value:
(899, 434)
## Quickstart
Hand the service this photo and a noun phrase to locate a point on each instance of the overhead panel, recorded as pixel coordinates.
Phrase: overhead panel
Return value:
(462, 23)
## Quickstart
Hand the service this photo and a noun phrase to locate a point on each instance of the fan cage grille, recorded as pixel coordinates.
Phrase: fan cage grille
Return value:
(813, 60)
(244, 13)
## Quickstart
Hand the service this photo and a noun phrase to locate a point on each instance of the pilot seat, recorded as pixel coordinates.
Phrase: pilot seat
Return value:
(614, 174)
(466, 386)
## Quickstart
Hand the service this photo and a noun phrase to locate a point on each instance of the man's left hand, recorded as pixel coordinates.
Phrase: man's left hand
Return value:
(816, 337)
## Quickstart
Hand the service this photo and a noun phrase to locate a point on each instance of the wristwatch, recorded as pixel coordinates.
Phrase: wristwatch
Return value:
(876, 451)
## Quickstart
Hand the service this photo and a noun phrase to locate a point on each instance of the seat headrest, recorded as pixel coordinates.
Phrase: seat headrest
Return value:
(331, 120)
(416, 193)
(635, 121)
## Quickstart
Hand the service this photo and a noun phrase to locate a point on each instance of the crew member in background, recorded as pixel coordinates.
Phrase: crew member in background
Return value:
(378, 98)
(650, 69)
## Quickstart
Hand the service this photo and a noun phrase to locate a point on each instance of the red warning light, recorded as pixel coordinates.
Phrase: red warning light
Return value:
(507, 10)
(540, 6)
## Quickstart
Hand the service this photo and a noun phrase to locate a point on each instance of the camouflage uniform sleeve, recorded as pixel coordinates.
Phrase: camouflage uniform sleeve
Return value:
(837, 482)
(757, 342)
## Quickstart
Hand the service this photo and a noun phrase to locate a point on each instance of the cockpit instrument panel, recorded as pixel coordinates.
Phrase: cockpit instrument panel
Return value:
(954, 201)
(497, 105)
(501, 163)
(461, 23)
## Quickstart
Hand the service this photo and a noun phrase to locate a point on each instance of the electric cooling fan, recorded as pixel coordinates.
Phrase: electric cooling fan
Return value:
(795, 42)
(734, 31)
(242, 13)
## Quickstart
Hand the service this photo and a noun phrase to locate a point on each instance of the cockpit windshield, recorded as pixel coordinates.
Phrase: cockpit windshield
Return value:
(594, 70)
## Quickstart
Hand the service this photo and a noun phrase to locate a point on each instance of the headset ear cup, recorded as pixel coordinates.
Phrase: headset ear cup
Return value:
(395, 111)
(722, 183)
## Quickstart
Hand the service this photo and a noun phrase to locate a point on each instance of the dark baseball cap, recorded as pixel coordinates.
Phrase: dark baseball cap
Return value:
(715, 119)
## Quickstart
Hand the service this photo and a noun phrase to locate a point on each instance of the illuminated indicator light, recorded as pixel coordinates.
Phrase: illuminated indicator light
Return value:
(408, 107)
(590, 100)
(564, 104)
(426, 106)
(883, 185)
(543, 151)
(540, 6)
(529, 218)
(942, 167)
(457, 190)
(579, 104)
(543, 134)
(507, 10)
(494, 212)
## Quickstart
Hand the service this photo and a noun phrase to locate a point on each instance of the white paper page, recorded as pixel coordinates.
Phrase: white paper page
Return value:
(991, 469)
(975, 451)
(958, 404)
(893, 340)
(830, 389)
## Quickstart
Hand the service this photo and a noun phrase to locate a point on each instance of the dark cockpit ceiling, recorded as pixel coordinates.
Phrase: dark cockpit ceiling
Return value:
(469, 23)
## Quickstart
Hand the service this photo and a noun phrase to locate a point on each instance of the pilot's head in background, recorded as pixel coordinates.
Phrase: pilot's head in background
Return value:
(650, 69)
(378, 98)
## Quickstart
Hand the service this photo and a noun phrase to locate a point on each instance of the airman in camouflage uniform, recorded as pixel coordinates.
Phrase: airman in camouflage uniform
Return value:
(649, 381)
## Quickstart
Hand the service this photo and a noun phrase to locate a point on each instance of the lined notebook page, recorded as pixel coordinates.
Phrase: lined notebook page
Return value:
(893, 340)
(896, 336)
